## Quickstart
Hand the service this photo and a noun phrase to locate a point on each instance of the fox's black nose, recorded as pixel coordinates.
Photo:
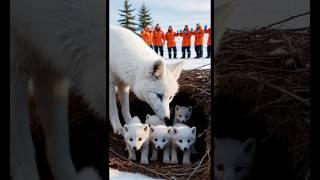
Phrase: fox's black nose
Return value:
(158, 147)
(185, 149)
(134, 148)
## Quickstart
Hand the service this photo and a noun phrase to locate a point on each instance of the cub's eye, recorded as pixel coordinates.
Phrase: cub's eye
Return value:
(180, 116)
(180, 141)
(238, 169)
(140, 139)
(188, 140)
(131, 139)
(156, 139)
(220, 167)
(187, 117)
(164, 140)
(160, 96)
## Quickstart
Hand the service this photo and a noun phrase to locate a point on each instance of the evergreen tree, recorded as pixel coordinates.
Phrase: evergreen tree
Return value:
(144, 17)
(128, 18)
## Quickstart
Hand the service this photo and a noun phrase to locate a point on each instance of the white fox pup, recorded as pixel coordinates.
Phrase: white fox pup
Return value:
(136, 136)
(233, 159)
(183, 137)
(160, 137)
(153, 120)
(135, 65)
(182, 114)
(57, 44)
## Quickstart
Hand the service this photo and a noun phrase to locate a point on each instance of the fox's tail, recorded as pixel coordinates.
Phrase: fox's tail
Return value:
(222, 12)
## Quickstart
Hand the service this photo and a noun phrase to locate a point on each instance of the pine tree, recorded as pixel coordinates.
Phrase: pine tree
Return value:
(144, 17)
(128, 18)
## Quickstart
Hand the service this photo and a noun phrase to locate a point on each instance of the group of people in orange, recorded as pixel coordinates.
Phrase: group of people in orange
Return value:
(156, 38)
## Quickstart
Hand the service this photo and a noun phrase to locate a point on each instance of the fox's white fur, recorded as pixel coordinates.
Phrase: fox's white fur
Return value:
(160, 137)
(153, 120)
(182, 114)
(136, 136)
(183, 137)
(233, 159)
(134, 65)
(57, 44)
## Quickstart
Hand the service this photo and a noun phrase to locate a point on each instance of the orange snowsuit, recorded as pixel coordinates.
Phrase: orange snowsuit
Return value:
(186, 38)
(209, 37)
(198, 36)
(158, 37)
(147, 37)
(170, 39)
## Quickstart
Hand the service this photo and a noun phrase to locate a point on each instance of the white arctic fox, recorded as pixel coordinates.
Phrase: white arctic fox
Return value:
(57, 44)
(135, 65)
(183, 137)
(233, 159)
(136, 136)
(160, 137)
(182, 114)
(153, 120)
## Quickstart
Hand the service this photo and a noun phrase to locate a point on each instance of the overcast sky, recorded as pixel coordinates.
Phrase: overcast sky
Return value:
(168, 12)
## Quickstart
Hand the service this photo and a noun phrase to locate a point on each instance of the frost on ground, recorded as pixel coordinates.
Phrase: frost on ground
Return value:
(121, 175)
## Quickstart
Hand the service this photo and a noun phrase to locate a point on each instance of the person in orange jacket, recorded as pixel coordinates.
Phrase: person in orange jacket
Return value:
(198, 40)
(147, 36)
(186, 41)
(208, 42)
(158, 39)
(171, 43)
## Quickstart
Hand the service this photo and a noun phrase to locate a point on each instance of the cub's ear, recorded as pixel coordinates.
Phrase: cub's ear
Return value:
(175, 130)
(146, 127)
(157, 69)
(169, 130)
(193, 130)
(177, 107)
(249, 146)
(190, 108)
(148, 116)
(152, 128)
(176, 69)
(125, 127)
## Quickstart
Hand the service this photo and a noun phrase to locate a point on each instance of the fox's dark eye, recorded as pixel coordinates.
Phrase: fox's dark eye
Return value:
(180, 141)
(188, 140)
(155, 139)
(220, 167)
(139, 139)
(131, 139)
(164, 140)
(187, 117)
(160, 96)
(238, 168)
(180, 116)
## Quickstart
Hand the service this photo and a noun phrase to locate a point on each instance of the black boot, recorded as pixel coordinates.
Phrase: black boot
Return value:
(169, 56)
(175, 55)
(189, 55)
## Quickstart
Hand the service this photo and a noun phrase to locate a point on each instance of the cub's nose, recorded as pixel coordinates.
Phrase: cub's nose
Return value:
(158, 147)
(185, 149)
(134, 148)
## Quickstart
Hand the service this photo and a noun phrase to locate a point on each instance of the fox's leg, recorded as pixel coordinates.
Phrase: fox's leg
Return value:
(113, 110)
(132, 153)
(123, 91)
(154, 155)
(22, 154)
(145, 154)
(52, 98)
(174, 156)
(186, 157)
(166, 154)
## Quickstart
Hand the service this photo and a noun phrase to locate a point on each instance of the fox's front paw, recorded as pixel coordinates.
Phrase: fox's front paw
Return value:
(174, 161)
(118, 131)
(186, 162)
(167, 160)
(144, 161)
(153, 158)
(132, 158)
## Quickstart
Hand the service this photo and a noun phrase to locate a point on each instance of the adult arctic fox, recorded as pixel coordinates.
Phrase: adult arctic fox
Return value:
(135, 65)
(57, 44)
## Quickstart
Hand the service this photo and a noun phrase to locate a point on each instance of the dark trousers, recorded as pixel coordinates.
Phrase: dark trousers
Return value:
(174, 52)
(156, 48)
(184, 49)
(199, 51)
(209, 51)
(151, 46)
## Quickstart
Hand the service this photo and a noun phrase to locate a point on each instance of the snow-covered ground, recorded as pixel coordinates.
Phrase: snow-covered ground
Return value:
(193, 63)
(120, 175)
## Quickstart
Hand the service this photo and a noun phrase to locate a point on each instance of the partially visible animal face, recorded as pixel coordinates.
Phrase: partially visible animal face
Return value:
(135, 135)
(183, 113)
(160, 136)
(153, 120)
(184, 137)
(233, 159)
(159, 86)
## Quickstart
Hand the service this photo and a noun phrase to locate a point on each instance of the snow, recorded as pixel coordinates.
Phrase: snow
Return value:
(193, 63)
(121, 175)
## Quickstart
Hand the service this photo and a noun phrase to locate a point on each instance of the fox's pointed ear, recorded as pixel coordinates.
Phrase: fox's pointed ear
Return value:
(148, 116)
(125, 127)
(177, 107)
(190, 108)
(152, 128)
(146, 127)
(193, 130)
(169, 130)
(176, 69)
(157, 68)
(249, 146)
(175, 130)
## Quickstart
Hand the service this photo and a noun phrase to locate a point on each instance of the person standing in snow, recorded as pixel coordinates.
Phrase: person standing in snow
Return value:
(186, 41)
(198, 40)
(158, 39)
(147, 36)
(208, 42)
(171, 43)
